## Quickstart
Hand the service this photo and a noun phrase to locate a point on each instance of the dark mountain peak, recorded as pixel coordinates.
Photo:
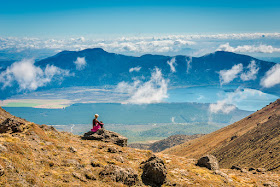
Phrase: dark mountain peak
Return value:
(95, 50)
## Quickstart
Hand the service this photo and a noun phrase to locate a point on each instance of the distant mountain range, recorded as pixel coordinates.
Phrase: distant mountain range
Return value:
(103, 68)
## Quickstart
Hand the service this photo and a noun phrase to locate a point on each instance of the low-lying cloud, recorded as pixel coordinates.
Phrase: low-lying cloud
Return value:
(272, 77)
(80, 63)
(251, 73)
(226, 76)
(136, 69)
(189, 64)
(172, 64)
(249, 48)
(30, 77)
(139, 92)
(229, 103)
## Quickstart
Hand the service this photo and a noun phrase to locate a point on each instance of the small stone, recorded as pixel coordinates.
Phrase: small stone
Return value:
(1, 170)
(112, 150)
(72, 149)
(79, 176)
(251, 169)
(235, 167)
(270, 184)
(95, 164)
(90, 176)
(2, 148)
(261, 170)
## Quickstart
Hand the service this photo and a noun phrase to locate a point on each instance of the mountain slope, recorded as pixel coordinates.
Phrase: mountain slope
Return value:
(226, 142)
(41, 156)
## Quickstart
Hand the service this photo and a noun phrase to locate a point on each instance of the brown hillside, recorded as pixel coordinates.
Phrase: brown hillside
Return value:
(166, 143)
(220, 138)
(258, 148)
(39, 155)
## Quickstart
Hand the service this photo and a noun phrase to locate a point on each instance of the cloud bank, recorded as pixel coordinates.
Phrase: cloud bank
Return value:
(249, 48)
(152, 91)
(30, 77)
(226, 76)
(272, 77)
(80, 63)
(187, 44)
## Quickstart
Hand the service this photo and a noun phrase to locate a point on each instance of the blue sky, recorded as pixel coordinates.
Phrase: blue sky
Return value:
(123, 17)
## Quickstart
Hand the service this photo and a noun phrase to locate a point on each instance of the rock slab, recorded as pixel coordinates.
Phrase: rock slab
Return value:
(106, 136)
(154, 172)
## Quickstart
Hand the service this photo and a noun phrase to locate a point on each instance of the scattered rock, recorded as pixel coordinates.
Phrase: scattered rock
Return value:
(251, 169)
(261, 170)
(72, 149)
(233, 137)
(106, 136)
(95, 164)
(90, 176)
(118, 174)
(208, 161)
(224, 175)
(70, 162)
(112, 150)
(79, 176)
(1, 170)
(119, 159)
(270, 184)
(154, 171)
(11, 126)
(236, 168)
(2, 148)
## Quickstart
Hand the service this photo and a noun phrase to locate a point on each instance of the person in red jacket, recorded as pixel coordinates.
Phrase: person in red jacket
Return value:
(96, 125)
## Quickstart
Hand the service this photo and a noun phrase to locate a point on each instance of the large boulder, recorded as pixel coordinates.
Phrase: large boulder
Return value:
(154, 171)
(118, 174)
(106, 136)
(208, 161)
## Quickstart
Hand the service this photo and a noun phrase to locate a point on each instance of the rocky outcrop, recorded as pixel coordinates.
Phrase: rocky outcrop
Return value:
(118, 174)
(12, 126)
(208, 161)
(106, 136)
(154, 172)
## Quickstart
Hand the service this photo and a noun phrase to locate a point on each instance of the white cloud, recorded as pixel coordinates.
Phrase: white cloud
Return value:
(226, 76)
(152, 91)
(272, 77)
(229, 103)
(252, 72)
(249, 48)
(136, 69)
(80, 63)
(173, 119)
(171, 63)
(30, 77)
(221, 106)
(189, 65)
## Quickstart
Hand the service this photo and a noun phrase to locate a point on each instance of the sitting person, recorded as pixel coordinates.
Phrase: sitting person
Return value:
(96, 125)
